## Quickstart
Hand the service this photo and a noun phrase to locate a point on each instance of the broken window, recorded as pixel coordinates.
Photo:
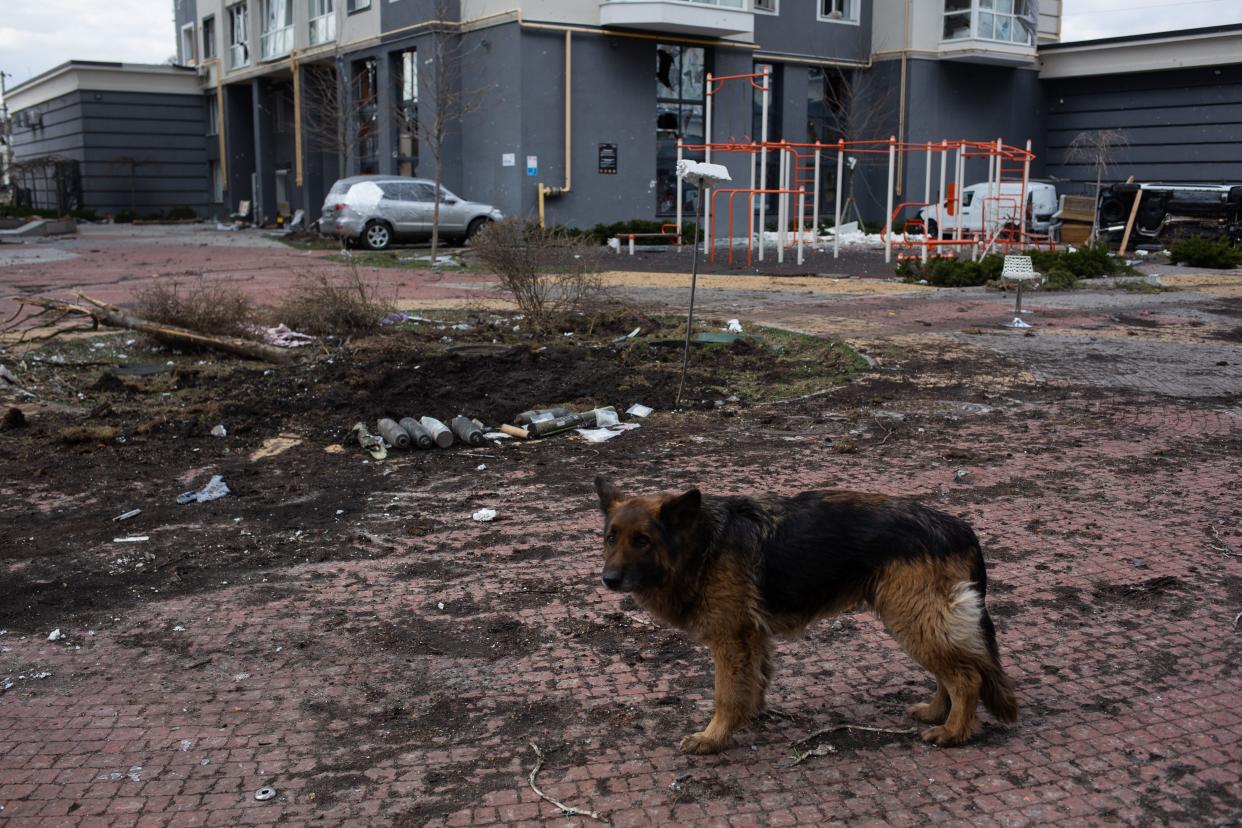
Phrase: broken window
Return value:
(1006, 21)
(322, 21)
(239, 40)
(407, 111)
(276, 19)
(839, 11)
(680, 97)
(209, 38)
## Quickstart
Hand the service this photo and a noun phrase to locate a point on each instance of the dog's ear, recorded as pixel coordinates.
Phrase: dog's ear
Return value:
(681, 510)
(608, 494)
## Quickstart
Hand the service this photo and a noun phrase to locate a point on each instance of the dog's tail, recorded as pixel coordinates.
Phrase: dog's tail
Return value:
(997, 690)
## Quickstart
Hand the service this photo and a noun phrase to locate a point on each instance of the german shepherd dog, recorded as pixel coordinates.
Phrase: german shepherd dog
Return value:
(735, 571)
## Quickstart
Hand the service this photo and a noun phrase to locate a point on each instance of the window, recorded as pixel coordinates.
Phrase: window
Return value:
(209, 38)
(357, 5)
(1005, 21)
(406, 70)
(680, 95)
(187, 44)
(239, 41)
(768, 6)
(839, 11)
(322, 21)
(365, 77)
(213, 114)
(276, 22)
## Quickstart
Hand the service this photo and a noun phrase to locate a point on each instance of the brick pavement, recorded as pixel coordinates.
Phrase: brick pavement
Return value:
(403, 690)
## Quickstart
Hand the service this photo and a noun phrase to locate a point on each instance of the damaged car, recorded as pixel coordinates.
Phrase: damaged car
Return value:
(1168, 210)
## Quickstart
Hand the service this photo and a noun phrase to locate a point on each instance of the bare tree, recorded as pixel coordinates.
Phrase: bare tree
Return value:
(858, 107)
(331, 112)
(440, 66)
(1099, 149)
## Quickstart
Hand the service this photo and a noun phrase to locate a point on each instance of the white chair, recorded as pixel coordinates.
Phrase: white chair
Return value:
(1019, 270)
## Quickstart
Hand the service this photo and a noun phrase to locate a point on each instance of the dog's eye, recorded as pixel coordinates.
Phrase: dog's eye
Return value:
(612, 538)
(639, 540)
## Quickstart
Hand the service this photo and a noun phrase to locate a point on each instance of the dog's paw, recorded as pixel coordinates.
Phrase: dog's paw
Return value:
(925, 713)
(943, 737)
(700, 745)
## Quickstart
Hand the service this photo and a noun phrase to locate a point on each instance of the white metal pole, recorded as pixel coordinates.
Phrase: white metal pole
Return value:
(750, 203)
(707, 157)
(680, 155)
(780, 206)
(836, 227)
(927, 199)
(1026, 180)
(888, 213)
(940, 198)
(815, 209)
(959, 177)
(763, 161)
(801, 207)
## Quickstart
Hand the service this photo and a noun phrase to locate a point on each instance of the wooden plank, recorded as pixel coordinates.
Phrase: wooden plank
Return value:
(1125, 239)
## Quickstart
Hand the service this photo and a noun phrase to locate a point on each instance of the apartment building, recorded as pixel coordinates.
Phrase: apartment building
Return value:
(586, 98)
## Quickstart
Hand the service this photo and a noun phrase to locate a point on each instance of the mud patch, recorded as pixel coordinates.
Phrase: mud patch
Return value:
(491, 638)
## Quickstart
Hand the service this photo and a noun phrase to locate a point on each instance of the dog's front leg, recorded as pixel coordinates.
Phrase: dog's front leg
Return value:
(739, 691)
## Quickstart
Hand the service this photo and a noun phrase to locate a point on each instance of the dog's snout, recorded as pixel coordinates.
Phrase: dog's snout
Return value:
(613, 578)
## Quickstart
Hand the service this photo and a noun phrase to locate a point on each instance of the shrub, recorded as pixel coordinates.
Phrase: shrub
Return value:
(328, 305)
(548, 271)
(182, 214)
(1059, 278)
(1061, 270)
(1201, 251)
(219, 309)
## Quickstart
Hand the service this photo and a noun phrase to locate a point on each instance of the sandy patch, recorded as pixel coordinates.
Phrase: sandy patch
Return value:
(1227, 285)
(788, 284)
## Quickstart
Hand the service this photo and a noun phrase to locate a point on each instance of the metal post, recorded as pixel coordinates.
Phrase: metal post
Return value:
(694, 279)
(815, 209)
(763, 162)
(959, 174)
(836, 227)
(888, 213)
(801, 233)
(707, 156)
(1026, 179)
(927, 199)
(782, 204)
(940, 197)
(680, 200)
(750, 217)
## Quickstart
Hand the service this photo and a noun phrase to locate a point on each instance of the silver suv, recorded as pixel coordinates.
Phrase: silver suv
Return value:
(377, 210)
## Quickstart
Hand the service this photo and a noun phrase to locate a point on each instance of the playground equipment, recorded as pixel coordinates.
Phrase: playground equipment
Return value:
(800, 166)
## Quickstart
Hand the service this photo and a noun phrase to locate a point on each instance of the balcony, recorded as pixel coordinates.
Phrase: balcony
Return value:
(999, 32)
(710, 18)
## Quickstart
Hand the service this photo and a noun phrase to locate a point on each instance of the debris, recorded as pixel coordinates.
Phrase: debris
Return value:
(335, 448)
(539, 415)
(401, 316)
(396, 436)
(823, 750)
(368, 441)
(601, 435)
(215, 489)
(8, 377)
(546, 428)
(467, 431)
(733, 326)
(514, 431)
(639, 410)
(273, 446)
(117, 318)
(88, 434)
(419, 435)
(963, 476)
(13, 418)
(264, 794)
(484, 515)
(220, 431)
(844, 446)
(440, 434)
(565, 810)
(55, 635)
(1016, 322)
(186, 744)
(127, 515)
(481, 467)
(133, 539)
(282, 336)
(606, 416)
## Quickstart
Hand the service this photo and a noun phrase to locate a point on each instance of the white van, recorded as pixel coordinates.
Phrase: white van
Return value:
(1041, 203)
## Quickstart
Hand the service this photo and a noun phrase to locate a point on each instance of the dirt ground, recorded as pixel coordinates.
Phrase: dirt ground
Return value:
(341, 630)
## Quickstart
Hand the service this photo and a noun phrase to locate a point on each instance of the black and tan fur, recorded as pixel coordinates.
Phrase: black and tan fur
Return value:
(734, 572)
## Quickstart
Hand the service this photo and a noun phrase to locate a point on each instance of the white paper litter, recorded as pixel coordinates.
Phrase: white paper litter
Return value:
(605, 417)
(216, 488)
(734, 326)
(220, 431)
(639, 410)
(133, 539)
(282, 336)
(1016, 323)
(484, 515)
(601, 435)
(55, 635)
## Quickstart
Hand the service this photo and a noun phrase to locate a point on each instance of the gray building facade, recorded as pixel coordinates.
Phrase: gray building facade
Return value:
(111, 137)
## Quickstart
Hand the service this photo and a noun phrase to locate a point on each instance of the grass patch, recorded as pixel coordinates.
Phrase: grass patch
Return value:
(1141, 286)
(1200, 251)
(1061, 270)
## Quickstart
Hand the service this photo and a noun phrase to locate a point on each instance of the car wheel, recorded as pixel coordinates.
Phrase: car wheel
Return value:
(475, 226)
(377, 236)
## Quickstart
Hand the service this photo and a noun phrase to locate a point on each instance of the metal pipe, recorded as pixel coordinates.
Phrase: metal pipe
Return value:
(296, 71)
(940, 195)
(815, 209)
(708, 237)
(681, 149)
(546, 192)
(763, 161)
(801, 207)
(750, 205)
(888, 213)
(927, 199)
(694, 280)
(836, 226)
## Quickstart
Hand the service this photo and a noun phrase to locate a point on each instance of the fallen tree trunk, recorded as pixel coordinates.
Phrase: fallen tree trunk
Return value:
(115, 317)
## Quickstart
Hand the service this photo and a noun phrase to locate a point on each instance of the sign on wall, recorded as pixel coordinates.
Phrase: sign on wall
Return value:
(532, 165)
(508, 159)
(607, 159)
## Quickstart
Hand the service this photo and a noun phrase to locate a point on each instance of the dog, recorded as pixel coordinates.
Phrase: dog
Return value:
(734, 572)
